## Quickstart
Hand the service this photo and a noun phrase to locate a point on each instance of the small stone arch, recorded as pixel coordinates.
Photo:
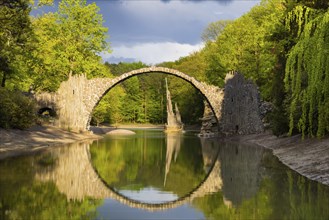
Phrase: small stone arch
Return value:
(47, 111)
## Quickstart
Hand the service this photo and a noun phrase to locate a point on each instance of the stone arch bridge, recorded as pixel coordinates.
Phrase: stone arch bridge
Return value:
(76, 98)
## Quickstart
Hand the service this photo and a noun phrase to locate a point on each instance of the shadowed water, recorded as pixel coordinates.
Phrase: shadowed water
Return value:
(153, 175)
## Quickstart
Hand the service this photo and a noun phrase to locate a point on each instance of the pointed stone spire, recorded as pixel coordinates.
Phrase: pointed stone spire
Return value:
(171, 119)
(178, 117)
(174, 121)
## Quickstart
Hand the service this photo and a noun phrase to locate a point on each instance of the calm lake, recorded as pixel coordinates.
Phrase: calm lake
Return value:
(154, 175)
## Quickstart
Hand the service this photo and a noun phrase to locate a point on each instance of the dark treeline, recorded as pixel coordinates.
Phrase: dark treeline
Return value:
(282, 45)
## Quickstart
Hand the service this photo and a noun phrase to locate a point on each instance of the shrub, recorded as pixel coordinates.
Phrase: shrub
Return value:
(16, 110)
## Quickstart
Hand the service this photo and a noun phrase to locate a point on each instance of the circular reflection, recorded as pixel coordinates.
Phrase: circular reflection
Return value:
(153, 167)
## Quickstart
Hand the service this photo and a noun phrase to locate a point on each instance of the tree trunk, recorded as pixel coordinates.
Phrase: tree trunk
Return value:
(3, 81)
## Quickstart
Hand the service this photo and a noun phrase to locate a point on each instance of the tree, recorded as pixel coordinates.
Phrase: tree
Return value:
(126, 101)
(15, 35)
(214, 29)
(16, 110)
(109, 108)
(307, 72)
(293, 17)
(243, 46)
(69, 43)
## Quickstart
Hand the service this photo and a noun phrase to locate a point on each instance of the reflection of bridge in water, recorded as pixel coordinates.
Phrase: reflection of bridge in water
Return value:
(75, 177)
(237, 172)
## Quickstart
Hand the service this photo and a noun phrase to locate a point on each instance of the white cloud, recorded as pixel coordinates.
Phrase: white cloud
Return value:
(152, 53)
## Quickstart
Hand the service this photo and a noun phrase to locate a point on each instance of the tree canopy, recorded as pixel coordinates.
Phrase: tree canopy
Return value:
(15, 37)
(307, 72)
(69, 42)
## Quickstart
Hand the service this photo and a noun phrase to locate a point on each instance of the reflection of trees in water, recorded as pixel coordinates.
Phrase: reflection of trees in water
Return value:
(30, 198)
(139, 163)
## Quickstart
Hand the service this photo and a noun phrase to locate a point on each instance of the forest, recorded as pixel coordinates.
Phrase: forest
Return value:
(282, 45)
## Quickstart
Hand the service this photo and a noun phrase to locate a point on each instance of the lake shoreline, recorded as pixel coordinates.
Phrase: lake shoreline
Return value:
(14, 142)
(309, 157)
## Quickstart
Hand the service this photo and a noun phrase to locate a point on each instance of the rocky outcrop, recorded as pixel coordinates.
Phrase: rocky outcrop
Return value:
(121, 132)
(209, 123)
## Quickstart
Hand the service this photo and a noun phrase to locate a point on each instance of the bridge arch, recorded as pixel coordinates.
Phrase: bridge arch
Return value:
(86, 94)
(211, 93)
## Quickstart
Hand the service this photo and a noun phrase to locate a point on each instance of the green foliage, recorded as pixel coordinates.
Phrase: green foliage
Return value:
(109, 108)
(121, 68)
(188, 98)
(243, 46)
(44, 201)
(23, 196)
(278, 117)
(258, 45)
(136, 100)
(15, 42)
(214, 29)
(280, 44)
(141, 99)
(68, 43)
(307, 78)
(16, 110)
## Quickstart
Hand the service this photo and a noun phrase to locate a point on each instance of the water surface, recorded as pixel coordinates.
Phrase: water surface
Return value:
(153, 175)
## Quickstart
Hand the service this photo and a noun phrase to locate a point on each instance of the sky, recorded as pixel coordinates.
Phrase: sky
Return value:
(155, 31)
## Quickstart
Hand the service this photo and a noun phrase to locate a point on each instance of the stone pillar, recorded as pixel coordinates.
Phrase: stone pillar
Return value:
(73, 115)
(240, 110)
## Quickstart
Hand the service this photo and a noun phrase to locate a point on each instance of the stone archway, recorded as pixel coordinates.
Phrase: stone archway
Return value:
(77, 97)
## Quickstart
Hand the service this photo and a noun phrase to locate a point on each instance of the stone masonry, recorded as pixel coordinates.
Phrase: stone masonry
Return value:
(77, 97)
(236, 107)
(240, 111)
